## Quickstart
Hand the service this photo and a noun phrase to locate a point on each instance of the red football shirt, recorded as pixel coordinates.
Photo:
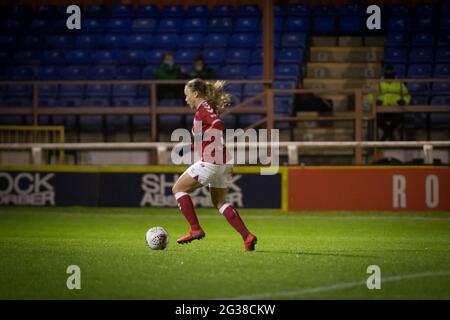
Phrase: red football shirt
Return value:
(206, 119)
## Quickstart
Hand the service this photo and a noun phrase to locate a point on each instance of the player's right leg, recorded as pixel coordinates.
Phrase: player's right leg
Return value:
(185, 184)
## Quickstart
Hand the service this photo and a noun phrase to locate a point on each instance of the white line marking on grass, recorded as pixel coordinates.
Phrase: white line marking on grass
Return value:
(338, 286)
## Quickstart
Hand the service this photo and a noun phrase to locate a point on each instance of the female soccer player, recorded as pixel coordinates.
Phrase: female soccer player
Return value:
(213, 170)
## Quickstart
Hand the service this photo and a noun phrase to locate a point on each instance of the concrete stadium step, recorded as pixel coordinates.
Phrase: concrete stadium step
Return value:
(340, 102)
(347, 41)
(324, 134)
(314, 83)
(346, 54)
(336, 70)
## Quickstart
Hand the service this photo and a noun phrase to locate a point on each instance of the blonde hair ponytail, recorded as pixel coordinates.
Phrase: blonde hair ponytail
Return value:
(213, 92)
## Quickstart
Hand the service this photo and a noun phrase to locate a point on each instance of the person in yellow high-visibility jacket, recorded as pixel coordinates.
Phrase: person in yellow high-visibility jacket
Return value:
(390, 93)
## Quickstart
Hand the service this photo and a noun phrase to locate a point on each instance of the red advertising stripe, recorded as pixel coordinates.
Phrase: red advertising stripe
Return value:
(369, 189)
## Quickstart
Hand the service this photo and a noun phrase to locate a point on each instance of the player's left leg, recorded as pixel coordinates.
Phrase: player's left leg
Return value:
(218, 196)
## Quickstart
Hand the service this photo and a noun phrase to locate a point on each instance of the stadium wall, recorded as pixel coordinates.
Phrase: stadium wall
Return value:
(396, 188)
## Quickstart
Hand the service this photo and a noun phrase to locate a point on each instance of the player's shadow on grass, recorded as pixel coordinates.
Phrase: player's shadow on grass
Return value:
(332, 254)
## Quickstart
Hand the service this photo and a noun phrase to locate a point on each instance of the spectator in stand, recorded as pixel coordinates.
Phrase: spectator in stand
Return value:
(168, 70)
(201, 70)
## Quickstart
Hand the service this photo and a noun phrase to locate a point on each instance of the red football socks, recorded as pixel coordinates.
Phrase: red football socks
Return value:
(187, 208)
(234, 219)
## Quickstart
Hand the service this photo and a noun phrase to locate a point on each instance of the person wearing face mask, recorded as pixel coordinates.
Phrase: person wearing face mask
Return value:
(168, 70)
(201, 70)
(390, 93)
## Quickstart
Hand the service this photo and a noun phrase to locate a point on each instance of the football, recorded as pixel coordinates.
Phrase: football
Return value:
(157, 238)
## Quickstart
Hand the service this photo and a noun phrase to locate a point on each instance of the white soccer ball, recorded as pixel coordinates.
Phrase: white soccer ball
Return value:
(157, 238)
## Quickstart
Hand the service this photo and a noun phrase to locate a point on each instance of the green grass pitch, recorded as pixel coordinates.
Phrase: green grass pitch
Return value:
(302, 255)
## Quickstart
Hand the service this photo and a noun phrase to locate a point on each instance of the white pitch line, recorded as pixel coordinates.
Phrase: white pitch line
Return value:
(338, 286)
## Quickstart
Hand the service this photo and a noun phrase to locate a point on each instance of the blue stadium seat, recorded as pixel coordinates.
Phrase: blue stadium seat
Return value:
(140, 41)
(124, 90)
(79, 57)
(421, 55)
(444, 39)
(41, 26)
(47, 12)
(71, 90)
(400, 70)
(440, 100)
(14, 27)
(237, 71)
(297, 9)
(213, 56)
(248, 10)
(59, 42)
(238, 56)
(283, 106)
(442, 71)
(195, 25)
(93, 25)
(242, 40)
(122, 11)
(49, 73)
(293, 40)
(418, 88)
(350, 24)
(98, 90)
(20, 12)
(197, 11)
(136, 56)
(155, 56)
(219, 40)
(19, 90)
(70, 102)
(192, 40)
(253, 89)
(256, 56)
(22, 57)
(186, 55)
(297, 24)
(144, 25)
(48, 90)
(148, 72)
(96, 11)
(105, 57)
(443, 55)
(6, 57)
(169, 25)
(395, 55)
(147, 11)
(53, 57)
(128, 73)
(287, 71)
(445, 23)
(398, 10)
(423, 39)
(167, 40)
(283, 85)
(399, 24)
(111, 41)
(441, 88)
(234, 89)
(424, 23)
(30, 41)
(74, 72)
(324, 24)
(123, 102)
(220, 25)
(222, 11)
(119, 25)
(419, 100)
(247, 25)
(427, 9)
(173, 11)
(397, 39)
(278, 23)
(22, 73)
(254, 72)
(289, 55)
(7, 41)
(420, 71)
(87, 41)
